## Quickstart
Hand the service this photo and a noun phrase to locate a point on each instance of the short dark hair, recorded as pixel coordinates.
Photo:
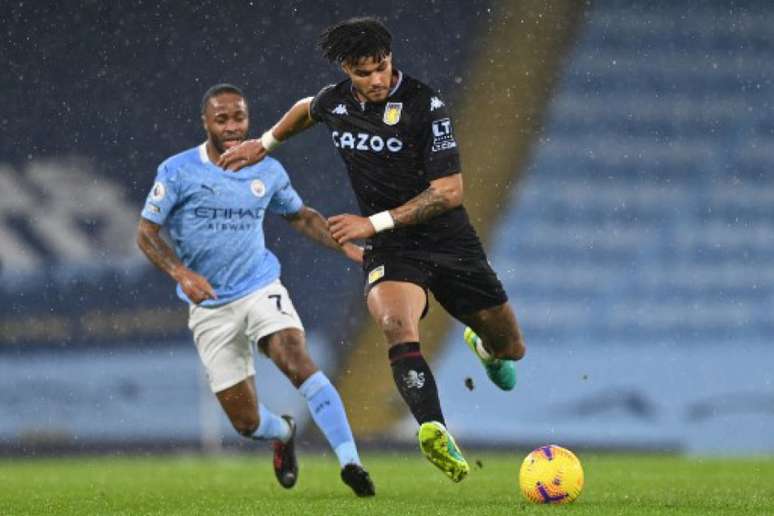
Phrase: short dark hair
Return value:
(216, 90)
(349, 41)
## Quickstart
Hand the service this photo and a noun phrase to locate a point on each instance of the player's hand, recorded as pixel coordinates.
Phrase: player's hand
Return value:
(195, 286)
(348, 227)
(353, 252)
(249, 152)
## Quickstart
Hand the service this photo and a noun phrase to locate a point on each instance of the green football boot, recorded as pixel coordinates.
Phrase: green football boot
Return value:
(501, 372)
(440, 449)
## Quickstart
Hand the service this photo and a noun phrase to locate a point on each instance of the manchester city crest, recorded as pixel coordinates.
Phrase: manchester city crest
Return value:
(258, 188)
(392, 113)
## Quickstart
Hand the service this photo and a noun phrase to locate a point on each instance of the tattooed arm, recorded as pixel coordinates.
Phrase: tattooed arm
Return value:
(442, 195)
(195, 286)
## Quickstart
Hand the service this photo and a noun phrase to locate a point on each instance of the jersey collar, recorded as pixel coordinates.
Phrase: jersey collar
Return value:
(392, 90)
(397, 84)
(203, 153)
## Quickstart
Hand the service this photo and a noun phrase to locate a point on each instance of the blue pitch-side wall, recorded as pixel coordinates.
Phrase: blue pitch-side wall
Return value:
(128, 397)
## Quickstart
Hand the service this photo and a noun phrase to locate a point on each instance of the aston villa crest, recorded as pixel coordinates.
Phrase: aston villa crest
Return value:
(392, 113)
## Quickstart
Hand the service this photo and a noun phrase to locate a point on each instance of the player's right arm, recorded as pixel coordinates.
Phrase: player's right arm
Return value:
(149, 240)
(162, 200)
(296, 120)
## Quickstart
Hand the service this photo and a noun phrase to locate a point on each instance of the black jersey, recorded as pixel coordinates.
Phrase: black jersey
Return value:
(392, 150)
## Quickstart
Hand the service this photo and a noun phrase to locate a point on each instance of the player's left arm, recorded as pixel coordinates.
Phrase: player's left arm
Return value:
(310, 223)
(442, 195)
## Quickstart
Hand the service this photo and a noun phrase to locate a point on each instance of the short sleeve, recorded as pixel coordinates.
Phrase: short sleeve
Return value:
(163, 196)
(285, 200)
(439, 147)
(316, 108)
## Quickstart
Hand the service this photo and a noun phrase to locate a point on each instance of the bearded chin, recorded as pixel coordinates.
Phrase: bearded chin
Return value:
(218, 144)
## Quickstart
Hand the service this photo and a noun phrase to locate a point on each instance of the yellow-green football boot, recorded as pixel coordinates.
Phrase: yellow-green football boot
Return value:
(440, 449)
(501, 372)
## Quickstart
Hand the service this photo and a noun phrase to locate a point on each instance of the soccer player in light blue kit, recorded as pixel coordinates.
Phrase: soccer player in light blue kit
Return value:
(231, 282)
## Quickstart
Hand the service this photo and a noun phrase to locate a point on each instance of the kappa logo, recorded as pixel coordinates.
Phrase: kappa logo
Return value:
(414, 380)
(341, 109)
(435, 103)
(392, 113)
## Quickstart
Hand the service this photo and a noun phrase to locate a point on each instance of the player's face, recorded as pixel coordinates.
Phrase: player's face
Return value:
(226, 121)
(371, 78)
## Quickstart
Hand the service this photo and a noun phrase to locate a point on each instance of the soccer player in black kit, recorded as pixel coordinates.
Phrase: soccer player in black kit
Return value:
(397, 141)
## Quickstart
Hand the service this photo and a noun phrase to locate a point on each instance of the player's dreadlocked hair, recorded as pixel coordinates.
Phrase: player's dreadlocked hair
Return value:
(349, 41)
(216, 90)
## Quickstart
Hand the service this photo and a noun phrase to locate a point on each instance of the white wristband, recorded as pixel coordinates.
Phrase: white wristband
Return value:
(269, 142)
(382, 221)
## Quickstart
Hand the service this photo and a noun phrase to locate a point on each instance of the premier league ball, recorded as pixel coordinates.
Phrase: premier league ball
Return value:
(551, 474)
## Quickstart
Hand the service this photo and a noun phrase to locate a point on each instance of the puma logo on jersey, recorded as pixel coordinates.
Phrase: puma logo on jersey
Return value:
(365, 142)
(341, 109)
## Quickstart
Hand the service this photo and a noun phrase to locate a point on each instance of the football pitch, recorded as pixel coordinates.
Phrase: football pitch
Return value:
(405, 485)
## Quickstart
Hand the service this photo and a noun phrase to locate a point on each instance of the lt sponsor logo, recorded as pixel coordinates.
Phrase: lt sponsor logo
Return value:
(443, 138)
(365, 142)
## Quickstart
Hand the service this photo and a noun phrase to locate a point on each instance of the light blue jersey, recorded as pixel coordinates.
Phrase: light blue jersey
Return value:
(215, 219)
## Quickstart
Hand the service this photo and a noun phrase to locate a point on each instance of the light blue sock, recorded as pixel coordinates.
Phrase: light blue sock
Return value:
(271, 426)
(328, 412)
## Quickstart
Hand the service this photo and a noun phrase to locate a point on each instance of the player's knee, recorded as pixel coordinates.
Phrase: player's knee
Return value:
(396, 328)
(246, 424)
(293, 358)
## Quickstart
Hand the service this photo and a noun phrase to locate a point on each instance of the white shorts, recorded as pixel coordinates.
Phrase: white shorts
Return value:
(226, 335)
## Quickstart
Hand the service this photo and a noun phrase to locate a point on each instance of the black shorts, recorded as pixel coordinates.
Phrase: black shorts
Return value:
(463, 282)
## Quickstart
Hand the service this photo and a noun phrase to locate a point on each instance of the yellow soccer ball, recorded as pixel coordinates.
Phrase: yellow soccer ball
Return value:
(551, 474)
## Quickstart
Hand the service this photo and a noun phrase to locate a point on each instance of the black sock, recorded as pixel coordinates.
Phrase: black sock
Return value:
(415, 382)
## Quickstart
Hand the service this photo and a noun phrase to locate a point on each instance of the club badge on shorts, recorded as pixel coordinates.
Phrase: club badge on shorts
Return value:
(392, 113)
(376, 274)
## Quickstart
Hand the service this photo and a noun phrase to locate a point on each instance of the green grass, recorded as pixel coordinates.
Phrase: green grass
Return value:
(405, 484)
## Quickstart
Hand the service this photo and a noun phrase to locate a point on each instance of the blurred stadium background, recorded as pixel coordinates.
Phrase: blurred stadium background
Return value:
(619, 163)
